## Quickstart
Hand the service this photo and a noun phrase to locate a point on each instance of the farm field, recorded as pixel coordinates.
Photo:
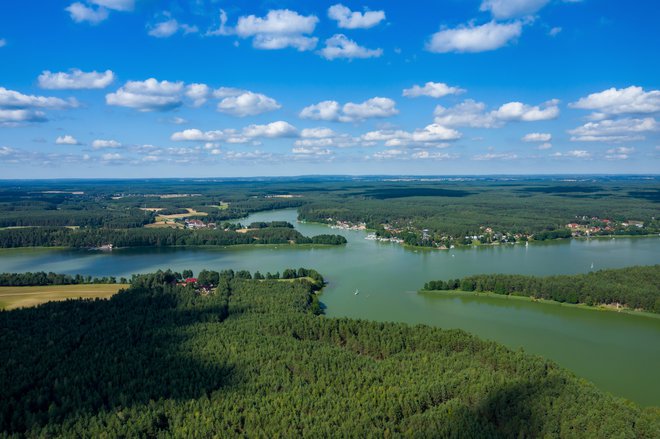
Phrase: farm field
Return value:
(22, 297)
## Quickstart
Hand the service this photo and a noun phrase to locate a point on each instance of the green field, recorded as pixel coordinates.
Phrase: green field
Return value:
(21, 297)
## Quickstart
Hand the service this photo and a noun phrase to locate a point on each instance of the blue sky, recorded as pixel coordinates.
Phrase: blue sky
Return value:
(146, 88)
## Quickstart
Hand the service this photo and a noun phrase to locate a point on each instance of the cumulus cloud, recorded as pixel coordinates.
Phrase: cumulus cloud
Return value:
(433, 134)
(376, 107)
(471, 38)
(271, 130)
(527, 113)
(102, 144)
(340, 46)
(14, 99)
(169, 27)
(348, 19)
(247, 104)
(575, 153)
(430, 155)
(432, 89)
(473, 114)
(148, 95)
(468, 113)
(495, 156)
(311, 151)
(610, 130)
(17, 108)
(17, 117)
(154, 95)
(280, 28)
(620, 153)
(537, 137)
(613, 101)
(67, 140)
(81, 13)
(276, 129)
(503, 9)
(75, 79)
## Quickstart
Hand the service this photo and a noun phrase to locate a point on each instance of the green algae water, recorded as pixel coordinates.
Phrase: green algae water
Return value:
(619, 352)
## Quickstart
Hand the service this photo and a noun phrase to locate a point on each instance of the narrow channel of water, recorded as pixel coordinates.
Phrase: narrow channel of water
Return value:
(618, 352)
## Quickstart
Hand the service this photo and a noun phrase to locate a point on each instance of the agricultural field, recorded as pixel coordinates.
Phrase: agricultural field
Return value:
(23, 297)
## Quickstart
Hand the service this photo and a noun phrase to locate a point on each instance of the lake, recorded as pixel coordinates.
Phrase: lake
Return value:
(618, 352)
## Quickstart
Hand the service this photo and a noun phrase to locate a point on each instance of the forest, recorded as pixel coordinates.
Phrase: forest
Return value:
(427, 212)
(255, 358)
(141, 237)
(632, 287)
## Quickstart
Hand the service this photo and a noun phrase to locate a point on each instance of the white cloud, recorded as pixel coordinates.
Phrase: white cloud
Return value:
(312, 151)
(3, 42)
(317, 133)
(350, 112)
(169, 27)
(489, 36)
(495, 156)
(576, 153)
(473, 114)
(247, 104)
(178, 120)
(279, 29)
(431, 135)
(10, 99)
(432, 89)
(148, 95)
(609, 130)
(17, 117)
(271, 130)
(81, 13)
(340, 46)
(348, 19)
(468, 113)
(17, 108)
(75, 79)
(502, 9)
(101, 144)
(537, 137)
(117, 5)
(554, 31)
(198, 93)
(111, 157)
(389, 154)
(527, 113)
(620, 153)
(67, 140)
(630, 100)
(544, 146)
(429, 155)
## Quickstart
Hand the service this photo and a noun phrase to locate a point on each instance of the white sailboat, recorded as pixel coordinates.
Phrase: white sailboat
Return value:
(357, 292)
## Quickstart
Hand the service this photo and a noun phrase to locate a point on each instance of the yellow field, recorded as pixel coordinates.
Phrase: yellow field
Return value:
(20, 297)
(191, 212)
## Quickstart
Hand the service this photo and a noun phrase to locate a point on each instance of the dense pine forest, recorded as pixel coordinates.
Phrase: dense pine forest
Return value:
(254, 358)
(96, 237)
(632, 287)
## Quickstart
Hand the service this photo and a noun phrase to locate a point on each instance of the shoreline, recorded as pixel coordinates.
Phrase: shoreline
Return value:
(601, 307)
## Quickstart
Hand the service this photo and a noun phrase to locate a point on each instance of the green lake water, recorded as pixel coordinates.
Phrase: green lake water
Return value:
(618, 352)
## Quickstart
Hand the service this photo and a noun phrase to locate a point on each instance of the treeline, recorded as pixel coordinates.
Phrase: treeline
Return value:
(144, 237)
(41, 278)
(89, 217)
(632, 287)
(252, 359)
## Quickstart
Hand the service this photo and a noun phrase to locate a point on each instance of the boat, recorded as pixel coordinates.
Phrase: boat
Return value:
(357, 292)
(592, 265)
